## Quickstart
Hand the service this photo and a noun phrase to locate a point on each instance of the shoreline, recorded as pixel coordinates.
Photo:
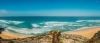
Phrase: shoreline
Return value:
(9, 35)
(86, 32)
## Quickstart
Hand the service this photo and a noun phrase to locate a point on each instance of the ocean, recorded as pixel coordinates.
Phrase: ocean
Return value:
(36, 25)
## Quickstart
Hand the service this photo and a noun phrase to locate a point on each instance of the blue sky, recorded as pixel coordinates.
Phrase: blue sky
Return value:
(49, 7)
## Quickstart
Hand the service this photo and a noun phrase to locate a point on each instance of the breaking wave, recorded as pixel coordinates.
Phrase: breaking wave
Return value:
(88, 21)
(44, 27)
(10, 22)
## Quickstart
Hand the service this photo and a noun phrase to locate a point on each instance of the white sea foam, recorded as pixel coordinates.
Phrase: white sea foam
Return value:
(41, 23)
(86, 28)
(88, 21)
(4, 21)
(29, 31)
(16, 22)
(75, 25)
(59, 23)
(10, 22)
(48, 26)
(35, 25)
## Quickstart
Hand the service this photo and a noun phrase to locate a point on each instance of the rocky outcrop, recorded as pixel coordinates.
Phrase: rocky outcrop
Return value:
(53, 37)
(95, 38)
(1, 29)
(0, 37)
(72, 38)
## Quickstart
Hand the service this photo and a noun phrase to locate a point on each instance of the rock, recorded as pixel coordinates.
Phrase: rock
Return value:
(55, 34)
(72, 38)
(0, 37)
(95, 38)
(1, 29)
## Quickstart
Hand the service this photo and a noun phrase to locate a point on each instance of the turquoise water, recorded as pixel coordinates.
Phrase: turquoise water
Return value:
(43, 24)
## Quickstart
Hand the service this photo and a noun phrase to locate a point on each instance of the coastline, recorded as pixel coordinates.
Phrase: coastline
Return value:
(8, 35)
(87, 32)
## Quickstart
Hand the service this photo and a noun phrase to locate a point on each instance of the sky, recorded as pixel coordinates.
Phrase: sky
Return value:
(49, 7)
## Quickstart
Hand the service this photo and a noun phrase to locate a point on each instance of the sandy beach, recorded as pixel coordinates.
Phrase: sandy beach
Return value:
(89, 32)
(9, 35)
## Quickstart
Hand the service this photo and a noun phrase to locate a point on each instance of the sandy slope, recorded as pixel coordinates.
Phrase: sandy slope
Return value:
(89, 32)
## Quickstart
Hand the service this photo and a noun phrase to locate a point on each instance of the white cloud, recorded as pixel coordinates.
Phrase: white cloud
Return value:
(3, 12)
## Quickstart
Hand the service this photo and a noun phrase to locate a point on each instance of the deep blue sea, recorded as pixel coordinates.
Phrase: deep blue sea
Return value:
(37, 25)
